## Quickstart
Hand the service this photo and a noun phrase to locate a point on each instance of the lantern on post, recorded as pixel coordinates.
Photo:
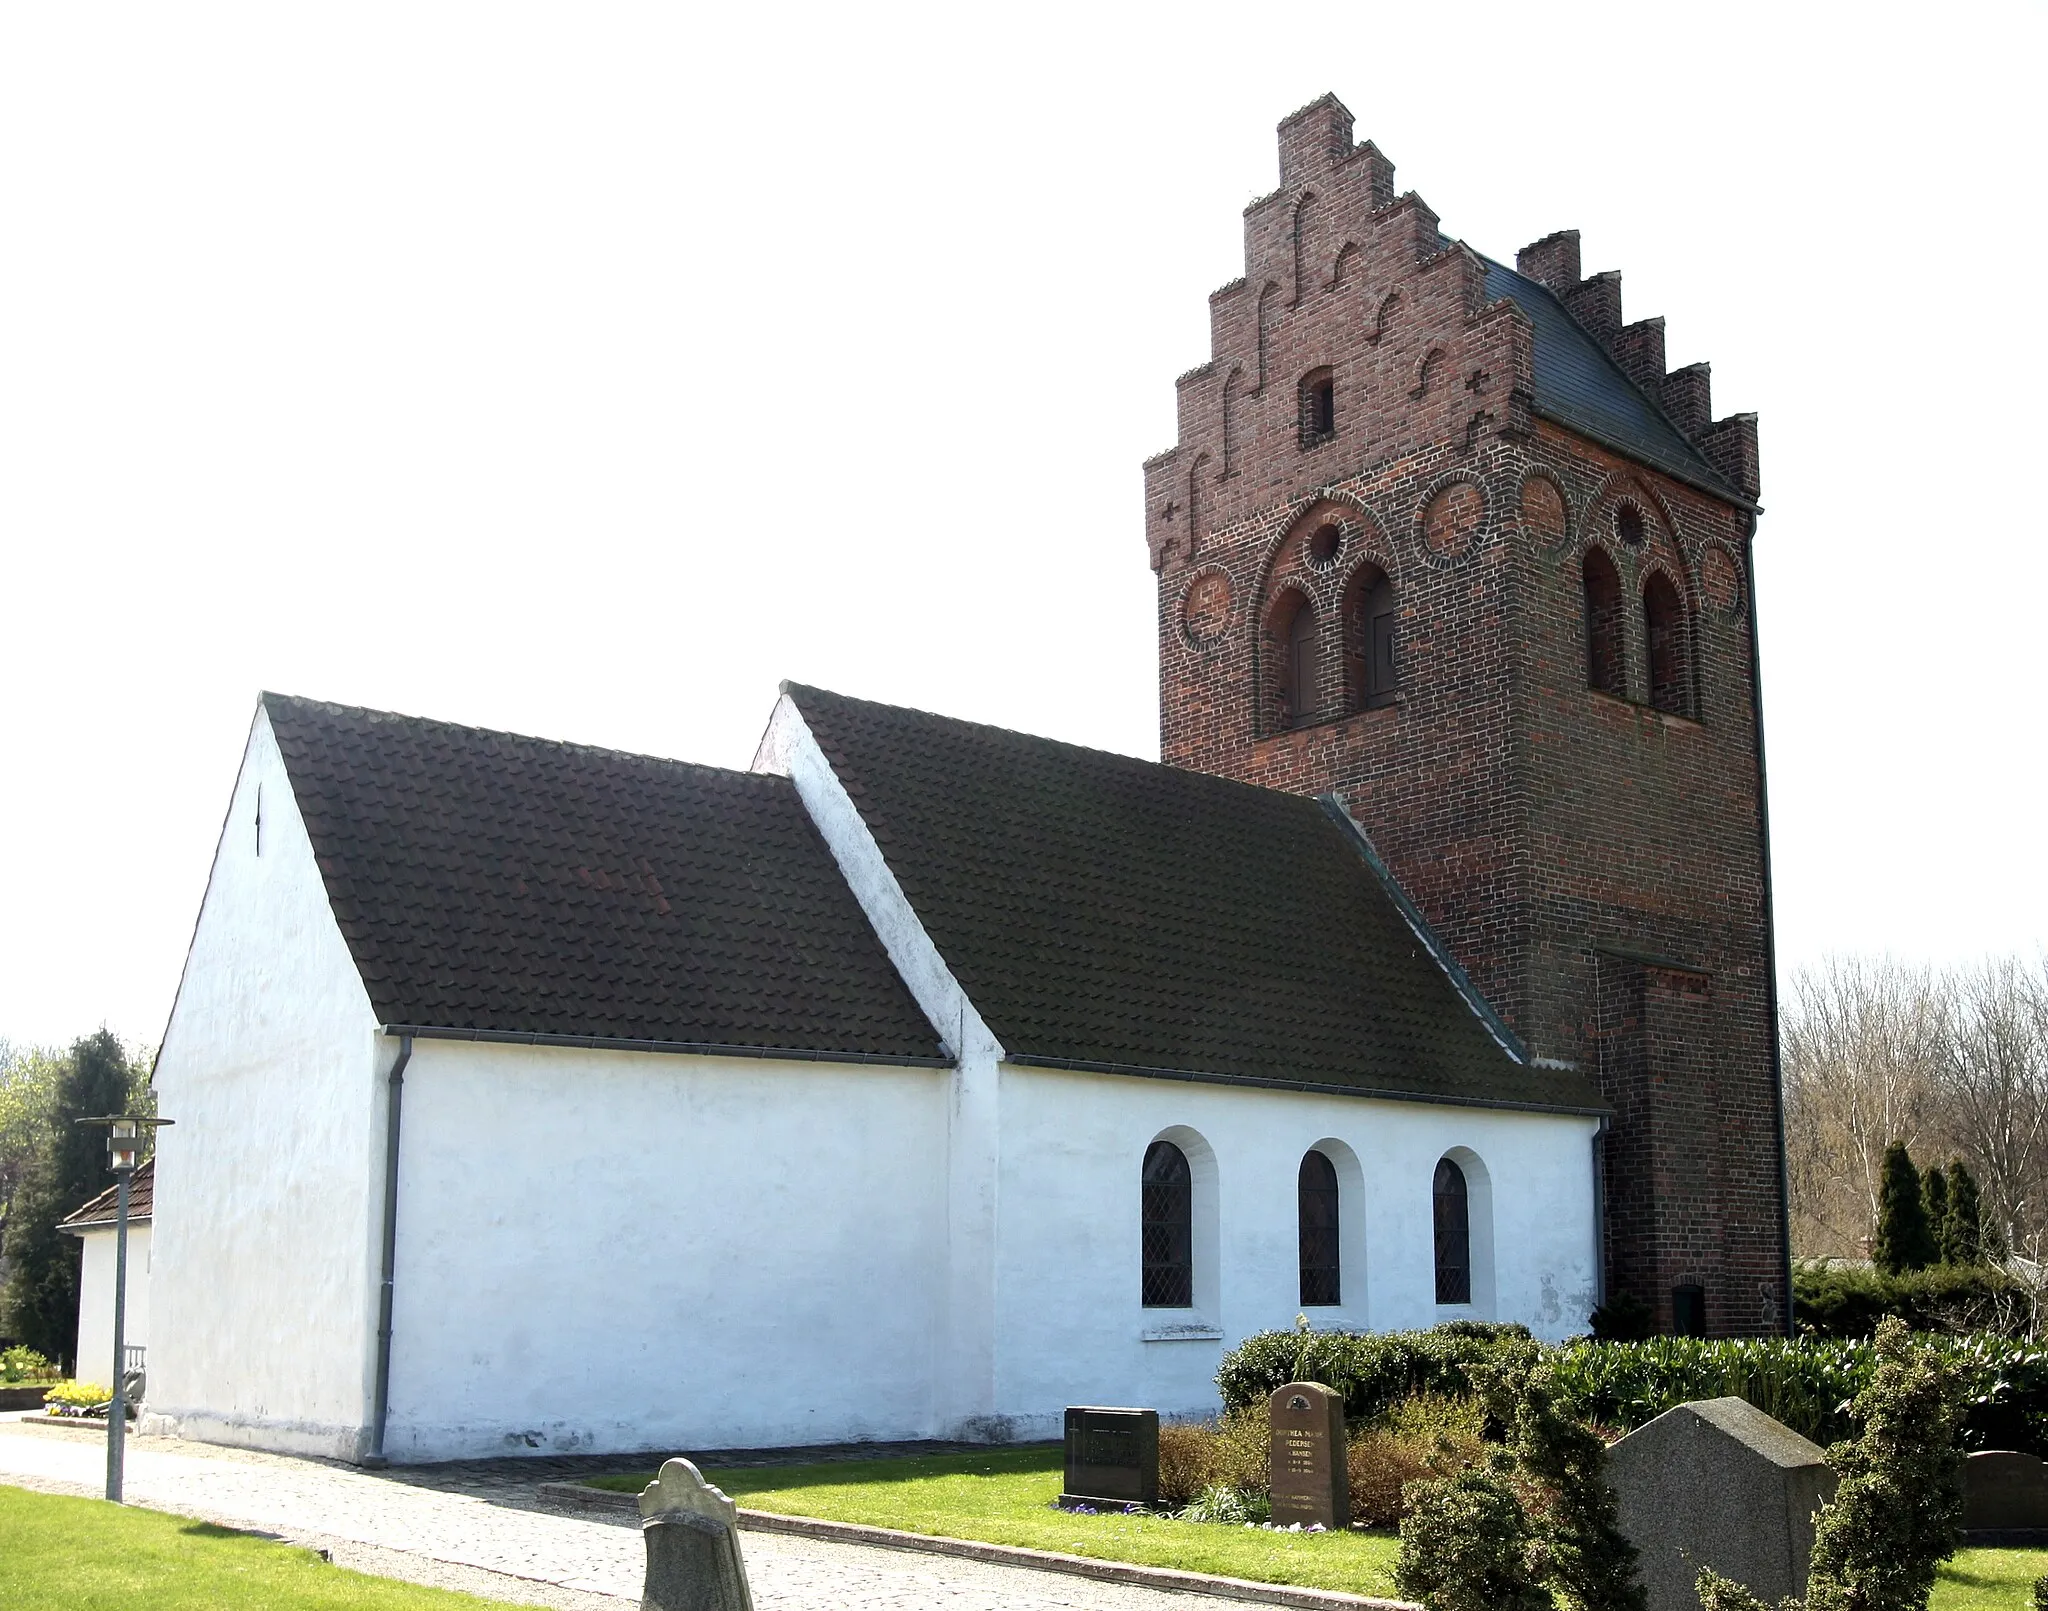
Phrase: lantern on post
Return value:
(126, 1136)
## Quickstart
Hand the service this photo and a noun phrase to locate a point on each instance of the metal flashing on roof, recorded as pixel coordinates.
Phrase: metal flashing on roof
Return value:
(700, 1048)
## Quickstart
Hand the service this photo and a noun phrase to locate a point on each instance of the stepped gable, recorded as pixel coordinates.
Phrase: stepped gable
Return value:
(518, 886)
(1118, 914)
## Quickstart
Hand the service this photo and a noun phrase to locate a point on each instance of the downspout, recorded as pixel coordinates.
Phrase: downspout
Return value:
(1763, 824)
(1600, 1213)
(380, 1405)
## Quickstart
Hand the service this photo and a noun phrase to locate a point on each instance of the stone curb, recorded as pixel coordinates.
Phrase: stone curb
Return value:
(576, 1496)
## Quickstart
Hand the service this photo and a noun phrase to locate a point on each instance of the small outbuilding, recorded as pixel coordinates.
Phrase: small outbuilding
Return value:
(1718, 1483)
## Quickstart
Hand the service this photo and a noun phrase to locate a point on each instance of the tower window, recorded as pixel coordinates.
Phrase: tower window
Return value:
(1318, 408)
(1369, 639)
(1316, 1209)
(1604, 667)
(1664, 636)
(1168, 1228)
(1294, 638)
(1689, 1310)
(1453, 1234)
(1628, 524)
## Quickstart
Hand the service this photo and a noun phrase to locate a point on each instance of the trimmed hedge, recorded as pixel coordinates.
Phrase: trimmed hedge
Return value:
(1806, 1383)
(1373, 1370)
(1835, 1300)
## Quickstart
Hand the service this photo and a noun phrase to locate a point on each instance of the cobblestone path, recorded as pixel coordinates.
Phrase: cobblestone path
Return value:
(477, 1526)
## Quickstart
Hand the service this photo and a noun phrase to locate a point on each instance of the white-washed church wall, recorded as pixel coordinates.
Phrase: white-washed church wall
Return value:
(96, 1300)
(264, 1263)
(1071, 1322)
(616, 1250)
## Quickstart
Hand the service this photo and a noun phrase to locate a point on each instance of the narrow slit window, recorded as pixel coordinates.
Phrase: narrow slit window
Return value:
(1168, 1228)
(1664, 641)
(1296, 646)
(1318, 408)
(1316, 1199)
(1604, 666)
(1453, 1234)
(1369, 633)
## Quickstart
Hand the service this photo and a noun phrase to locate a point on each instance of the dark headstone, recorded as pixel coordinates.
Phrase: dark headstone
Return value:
(1719, 1483)
(1112, 1457)
(693, 1544)
(1310, 1476)
(2005, 1500)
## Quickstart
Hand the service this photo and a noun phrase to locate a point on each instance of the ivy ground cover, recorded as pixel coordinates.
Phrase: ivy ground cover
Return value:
(59, 1554)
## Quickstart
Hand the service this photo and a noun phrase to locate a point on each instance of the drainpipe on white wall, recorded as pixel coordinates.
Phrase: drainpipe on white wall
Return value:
(380, 1406)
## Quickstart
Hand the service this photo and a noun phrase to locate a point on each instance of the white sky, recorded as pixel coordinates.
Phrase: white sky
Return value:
(584, 370)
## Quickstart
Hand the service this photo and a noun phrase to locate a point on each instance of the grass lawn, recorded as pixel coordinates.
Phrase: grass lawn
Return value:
(60, 1554)
(1004, 1496)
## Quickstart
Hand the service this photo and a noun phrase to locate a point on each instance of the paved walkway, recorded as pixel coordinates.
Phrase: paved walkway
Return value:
(478, 1527)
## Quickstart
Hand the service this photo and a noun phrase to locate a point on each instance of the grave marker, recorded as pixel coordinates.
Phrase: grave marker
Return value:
(1112, 1457)
(1311, 1483)
(693, 1544)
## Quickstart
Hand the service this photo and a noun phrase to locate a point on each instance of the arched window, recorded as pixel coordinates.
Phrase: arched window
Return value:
(1318, 408)
(1453, 1235)
(1168, 1220)
(1664, 637)
(1604, 668)
(1369, 638)
(1316, 1209)
(1295, 647)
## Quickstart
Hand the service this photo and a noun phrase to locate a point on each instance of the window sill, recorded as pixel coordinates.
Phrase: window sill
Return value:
(1181, 1331)
(1670, 718)
(1380, 707)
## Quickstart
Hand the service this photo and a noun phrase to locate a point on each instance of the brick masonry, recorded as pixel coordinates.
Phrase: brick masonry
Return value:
(1597, 865)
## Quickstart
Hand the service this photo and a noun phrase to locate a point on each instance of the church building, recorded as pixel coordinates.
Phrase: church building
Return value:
(926, 1078)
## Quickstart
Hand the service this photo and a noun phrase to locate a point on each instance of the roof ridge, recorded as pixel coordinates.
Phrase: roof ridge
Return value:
(438, 724)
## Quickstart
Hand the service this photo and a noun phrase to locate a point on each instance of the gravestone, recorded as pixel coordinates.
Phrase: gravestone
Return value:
(1112, 1457)
(1310, 1477)
(1718, 1483)
(2005, 1500)
(693, 1544)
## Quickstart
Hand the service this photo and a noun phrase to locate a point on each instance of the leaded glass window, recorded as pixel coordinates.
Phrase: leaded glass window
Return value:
(1169, 1211)
(1316, 1193)
(1453, 1235)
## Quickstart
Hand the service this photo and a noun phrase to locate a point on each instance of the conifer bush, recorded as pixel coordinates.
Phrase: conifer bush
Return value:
(1467, 1544)
(1905, 1241)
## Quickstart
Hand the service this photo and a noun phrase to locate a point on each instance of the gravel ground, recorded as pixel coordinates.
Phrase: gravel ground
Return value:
(478, 1527)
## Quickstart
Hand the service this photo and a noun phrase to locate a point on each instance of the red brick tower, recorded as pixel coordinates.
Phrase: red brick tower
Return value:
(1446, 539)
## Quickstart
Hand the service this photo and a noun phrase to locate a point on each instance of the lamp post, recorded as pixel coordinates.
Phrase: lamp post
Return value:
(125, 1138)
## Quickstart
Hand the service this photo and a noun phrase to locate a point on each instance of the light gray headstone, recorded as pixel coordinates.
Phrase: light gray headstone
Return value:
(1719, 1483)
(2005, 1499)
(693, 1544)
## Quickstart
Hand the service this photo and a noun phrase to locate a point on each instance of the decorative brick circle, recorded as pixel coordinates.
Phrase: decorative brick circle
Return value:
(1205, 609)
(1543, 512)
(1721, 580)
(1452, 518)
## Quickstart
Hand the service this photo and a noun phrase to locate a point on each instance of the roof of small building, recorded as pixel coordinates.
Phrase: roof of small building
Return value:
(1107, 912)
(1578, 384)
(99, 1211)
(519, 886)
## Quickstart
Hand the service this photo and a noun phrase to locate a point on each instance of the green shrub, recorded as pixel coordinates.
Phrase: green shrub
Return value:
(1467, 1544)
(1905, 1241)
(23, 1364)
(1623, 1318)
(1197, 1456)
(1374, 1371)
(1419, 1438)
(1837, 1300)
(1232, 1507)
(78, 1398)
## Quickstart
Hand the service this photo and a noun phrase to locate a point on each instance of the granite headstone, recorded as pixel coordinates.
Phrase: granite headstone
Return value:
(1719, 1483)
(1112, 1458)
(1310, 1478)
(693, 1544)
(2005, 1499)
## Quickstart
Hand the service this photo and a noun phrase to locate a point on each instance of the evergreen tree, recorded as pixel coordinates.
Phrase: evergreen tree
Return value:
(1962, 1238)
(1934, 1198)
(1904, 1239)
(41, 1301)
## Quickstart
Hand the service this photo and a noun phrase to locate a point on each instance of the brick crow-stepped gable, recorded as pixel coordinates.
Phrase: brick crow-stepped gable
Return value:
(1447, 540)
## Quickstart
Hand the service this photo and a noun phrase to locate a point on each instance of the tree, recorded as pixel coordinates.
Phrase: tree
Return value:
(1993, 1092)
(1962, 1233)
(1904, 1239)
(28, 1093)
(41, 1301)
(1934, 1199)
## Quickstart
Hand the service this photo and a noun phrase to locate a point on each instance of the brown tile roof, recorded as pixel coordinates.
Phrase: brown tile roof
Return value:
(100, 1210)
(517, 886)
(1116, 913)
